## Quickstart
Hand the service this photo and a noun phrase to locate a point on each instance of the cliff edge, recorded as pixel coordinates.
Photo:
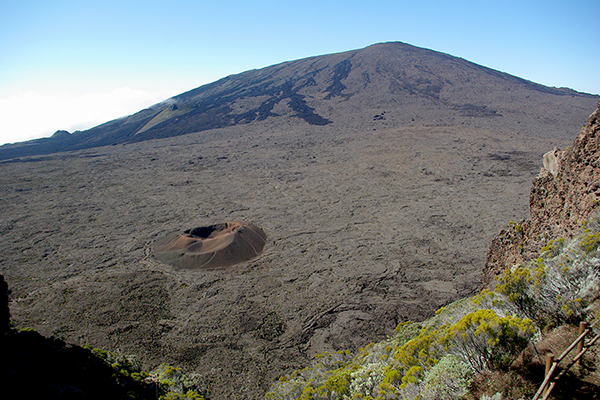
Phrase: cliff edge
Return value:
(564, 194)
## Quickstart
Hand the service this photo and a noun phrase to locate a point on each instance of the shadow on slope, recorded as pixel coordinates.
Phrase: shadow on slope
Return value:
(33, 366)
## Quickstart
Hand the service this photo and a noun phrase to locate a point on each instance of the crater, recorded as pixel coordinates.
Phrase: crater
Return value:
(214, 246)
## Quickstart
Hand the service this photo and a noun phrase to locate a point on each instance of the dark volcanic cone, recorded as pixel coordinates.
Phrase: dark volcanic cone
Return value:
(215, 246)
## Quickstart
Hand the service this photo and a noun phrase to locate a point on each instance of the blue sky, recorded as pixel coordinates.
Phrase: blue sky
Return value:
(75, 64)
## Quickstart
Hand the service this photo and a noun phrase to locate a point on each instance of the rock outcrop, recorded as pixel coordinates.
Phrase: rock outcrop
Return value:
(564, 194)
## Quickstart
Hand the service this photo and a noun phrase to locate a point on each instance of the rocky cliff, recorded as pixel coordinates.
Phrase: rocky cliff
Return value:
(564, 194)
(4, 310)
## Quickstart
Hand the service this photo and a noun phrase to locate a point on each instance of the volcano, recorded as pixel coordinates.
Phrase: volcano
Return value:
(410, 84)
(214, 246)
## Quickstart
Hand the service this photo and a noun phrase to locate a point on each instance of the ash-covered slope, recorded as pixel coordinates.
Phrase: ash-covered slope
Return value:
(423, 86)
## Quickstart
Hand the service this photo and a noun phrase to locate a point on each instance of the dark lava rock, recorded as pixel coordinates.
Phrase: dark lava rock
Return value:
(4, 309)
(33, 366)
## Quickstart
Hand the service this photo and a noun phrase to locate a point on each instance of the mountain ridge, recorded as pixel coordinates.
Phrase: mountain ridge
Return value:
(305, 89)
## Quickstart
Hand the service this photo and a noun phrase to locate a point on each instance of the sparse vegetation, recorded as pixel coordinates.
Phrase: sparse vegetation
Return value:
(173, 383)
(449, 355)
(450, 378)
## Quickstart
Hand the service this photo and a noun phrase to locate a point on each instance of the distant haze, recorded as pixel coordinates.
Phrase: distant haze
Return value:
(66, 111)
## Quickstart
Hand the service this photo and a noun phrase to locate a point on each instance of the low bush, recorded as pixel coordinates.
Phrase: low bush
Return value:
(449, 379)
(485, 340)
(173, 383)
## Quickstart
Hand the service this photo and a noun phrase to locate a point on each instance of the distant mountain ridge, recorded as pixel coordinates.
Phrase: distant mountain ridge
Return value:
(322, 90)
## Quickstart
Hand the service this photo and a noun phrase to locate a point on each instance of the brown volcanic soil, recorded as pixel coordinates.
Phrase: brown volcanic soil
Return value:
(371, 219)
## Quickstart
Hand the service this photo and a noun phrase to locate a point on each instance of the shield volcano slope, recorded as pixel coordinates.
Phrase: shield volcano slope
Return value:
(411, 85)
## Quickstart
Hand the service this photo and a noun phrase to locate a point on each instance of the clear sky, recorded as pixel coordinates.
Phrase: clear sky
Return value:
(70, 65)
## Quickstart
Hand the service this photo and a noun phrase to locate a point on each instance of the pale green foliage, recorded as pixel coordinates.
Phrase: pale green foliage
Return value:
(557, 286)
(328, 377)
(189, 395)
(126, 365)
(448, 379)
(175, 384)
(367, 379)
(396, 368)
(172, 382)
(497, 396)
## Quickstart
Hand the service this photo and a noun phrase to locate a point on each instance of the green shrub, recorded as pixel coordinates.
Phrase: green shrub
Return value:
(189, 395)
(365, 380)
(174, 383)
(336, 385)
(589, 242)
(485, 340)
(514, 284)
(125, 365)
(327, 378)
(448, 379)
(555, 288)
(552, 248)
